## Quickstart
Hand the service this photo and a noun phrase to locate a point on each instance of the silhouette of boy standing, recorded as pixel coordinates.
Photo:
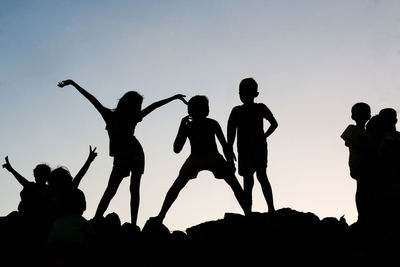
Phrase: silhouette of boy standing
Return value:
(361, 154)
(201, 132)
(247, 121)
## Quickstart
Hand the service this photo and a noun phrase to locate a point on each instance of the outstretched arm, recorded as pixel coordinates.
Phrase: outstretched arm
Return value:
(160, 103)
(181, 136)
(22, 180)
(87, 95)
(85, 167)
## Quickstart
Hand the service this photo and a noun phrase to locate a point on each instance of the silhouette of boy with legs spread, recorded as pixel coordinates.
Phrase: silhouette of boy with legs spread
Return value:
(201, 132)
(124, 147)
(247, 121)
(361, 155)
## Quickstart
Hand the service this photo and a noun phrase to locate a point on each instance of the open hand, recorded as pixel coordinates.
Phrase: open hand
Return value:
(65, 83)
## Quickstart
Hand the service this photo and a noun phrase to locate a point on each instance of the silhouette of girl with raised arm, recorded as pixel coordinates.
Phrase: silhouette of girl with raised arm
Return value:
(123, 145)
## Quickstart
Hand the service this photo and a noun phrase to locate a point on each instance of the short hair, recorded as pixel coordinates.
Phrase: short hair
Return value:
(198, 106)
(360, 110)
(41, 172)
(389, 116)
(248, 84)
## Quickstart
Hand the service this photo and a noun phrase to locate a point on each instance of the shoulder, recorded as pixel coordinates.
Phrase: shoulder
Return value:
(352, 131)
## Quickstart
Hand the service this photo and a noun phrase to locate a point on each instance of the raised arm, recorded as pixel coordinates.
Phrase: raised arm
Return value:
(160, 103)
(85, 167)
(181, 136)
(22, 180)
(87, 95)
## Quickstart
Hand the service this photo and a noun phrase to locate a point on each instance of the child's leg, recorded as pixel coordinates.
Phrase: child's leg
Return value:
(248, 183)
(135, 196)
(171, 196)
(239, 193)
(112, 187)
(266, 188)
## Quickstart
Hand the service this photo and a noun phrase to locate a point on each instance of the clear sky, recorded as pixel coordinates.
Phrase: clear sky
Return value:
(312, 60)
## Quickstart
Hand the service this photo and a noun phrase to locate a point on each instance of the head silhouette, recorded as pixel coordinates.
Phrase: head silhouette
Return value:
(360, 113)
(41, 173)
(248, 90)
(198, 107)
(129, 103)
(389, 119)
(60, 179)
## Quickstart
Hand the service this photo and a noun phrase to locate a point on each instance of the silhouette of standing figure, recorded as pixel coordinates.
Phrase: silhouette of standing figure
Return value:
(123, 145)
(201, 132)
(247, 121)
(361, 157)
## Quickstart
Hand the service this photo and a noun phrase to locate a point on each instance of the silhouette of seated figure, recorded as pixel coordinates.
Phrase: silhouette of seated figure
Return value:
(66, 197)
(202, 133)
(71, 237)
(34, 194)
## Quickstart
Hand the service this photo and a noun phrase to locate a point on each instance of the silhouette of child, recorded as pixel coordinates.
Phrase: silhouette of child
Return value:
(33, 194)
(65, 196)
(247, 121)
(123, 145)
(361, 156)
(201, 132)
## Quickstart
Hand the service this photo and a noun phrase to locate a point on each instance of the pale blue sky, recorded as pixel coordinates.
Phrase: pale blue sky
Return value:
(311, 59)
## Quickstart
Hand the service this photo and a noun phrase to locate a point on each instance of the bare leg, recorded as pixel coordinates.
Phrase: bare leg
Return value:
(239, 193)
(171, 196)
(248, 183)
(112, 187)
(266, 188)
(135, 196)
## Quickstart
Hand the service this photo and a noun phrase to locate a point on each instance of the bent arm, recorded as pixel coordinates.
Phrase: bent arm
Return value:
(161, 103)
(181, 136)
(272, 127)
(22, 180)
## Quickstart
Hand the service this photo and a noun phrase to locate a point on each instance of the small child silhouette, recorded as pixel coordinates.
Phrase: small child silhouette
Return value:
(361, 155)
(33, 194)
(124, 147)
(201, 132)
(247, 121)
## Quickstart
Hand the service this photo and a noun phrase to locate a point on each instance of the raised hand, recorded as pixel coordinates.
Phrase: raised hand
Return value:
(181, 97)
(92, 153)
(65, 83)
(7, 165)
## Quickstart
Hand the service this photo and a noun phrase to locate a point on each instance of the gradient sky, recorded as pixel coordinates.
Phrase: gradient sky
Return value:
(312, 60)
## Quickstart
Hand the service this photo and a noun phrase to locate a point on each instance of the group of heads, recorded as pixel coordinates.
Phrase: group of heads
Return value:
(384, 121)
(198, 106)
(58, 178)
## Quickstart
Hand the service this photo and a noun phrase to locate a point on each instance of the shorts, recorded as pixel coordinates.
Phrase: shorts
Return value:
(213, 163)
(249, 161)
(133, 162)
